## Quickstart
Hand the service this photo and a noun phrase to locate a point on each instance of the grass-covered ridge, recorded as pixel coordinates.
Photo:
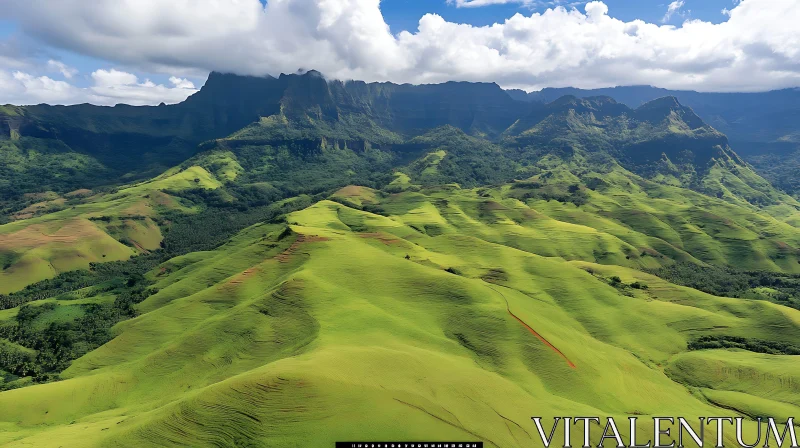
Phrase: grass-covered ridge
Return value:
(91, 228)
(326, 325)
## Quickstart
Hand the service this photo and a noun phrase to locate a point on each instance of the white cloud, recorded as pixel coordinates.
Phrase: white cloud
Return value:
(726, 11)
(114, 86)
(526, 3)
(478, 3)
(34, 89)
(110, 78)
(756, 48)
(108, 87)
(672, 9)
(181, 83)
(65, 70)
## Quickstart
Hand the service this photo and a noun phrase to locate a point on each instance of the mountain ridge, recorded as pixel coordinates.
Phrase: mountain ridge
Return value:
(376, 122)
(762, 126)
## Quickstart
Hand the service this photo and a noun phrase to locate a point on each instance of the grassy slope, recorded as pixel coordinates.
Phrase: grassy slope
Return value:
(31, 164)
(91, 231)
(627, 221)
(329, 332)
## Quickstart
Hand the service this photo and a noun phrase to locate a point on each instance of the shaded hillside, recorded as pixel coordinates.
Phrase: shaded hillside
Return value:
(142, 141)
(762, 127)
(747, 118)
(661, 140)
(302, 130)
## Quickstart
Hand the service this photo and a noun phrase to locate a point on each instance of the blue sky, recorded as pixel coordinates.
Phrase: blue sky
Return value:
(405, 14)
(148, 51)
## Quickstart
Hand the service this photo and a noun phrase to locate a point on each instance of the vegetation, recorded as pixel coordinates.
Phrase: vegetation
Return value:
(780, 167)
(730, 282)
(58, 343)
(305, 134)
(753, 345)
(55, 343)
(275, 313)
(38, 165)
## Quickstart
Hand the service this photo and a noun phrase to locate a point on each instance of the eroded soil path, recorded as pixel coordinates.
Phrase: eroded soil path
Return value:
(534, 332)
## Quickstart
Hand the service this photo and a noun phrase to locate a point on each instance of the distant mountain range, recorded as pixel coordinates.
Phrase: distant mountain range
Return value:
(66, 147)
(750, 120)
(763, 127)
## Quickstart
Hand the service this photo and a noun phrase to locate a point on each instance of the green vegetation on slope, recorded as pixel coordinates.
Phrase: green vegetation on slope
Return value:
(97, 228)
(327, 329)
(118, 286)
(779, 167)
(730, 282)
(753, 345)
(31, 164)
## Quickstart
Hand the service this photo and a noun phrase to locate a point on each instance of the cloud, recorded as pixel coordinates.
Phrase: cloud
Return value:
(726, 11)
(526, 3)
(109, 87)
(672, 9)
(114, 86)
(111, 78)
(65, 70)
(181, 83)
(479, 3)
(756, 48)
(16, 53)
(22, 87)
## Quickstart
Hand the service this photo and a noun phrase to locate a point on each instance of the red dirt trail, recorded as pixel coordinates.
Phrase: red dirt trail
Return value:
(538, 336)
(286, 255)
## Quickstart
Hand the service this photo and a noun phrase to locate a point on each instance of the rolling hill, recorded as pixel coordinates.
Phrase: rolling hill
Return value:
(328, 327)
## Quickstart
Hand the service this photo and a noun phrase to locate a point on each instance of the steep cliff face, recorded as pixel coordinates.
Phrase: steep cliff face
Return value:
(138, 137)
(482, 108)
(11, 119)
(5, 128)
(287, 124)
(754, 122)
(475, 108)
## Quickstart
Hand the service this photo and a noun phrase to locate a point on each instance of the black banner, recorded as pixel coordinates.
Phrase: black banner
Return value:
(409, 444)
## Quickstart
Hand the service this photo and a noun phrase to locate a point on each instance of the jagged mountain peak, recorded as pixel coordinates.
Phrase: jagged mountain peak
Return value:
(669, 102)
(597, 104)
(663, 108)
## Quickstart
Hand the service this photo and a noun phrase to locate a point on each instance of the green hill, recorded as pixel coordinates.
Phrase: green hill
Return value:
(328, 328)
